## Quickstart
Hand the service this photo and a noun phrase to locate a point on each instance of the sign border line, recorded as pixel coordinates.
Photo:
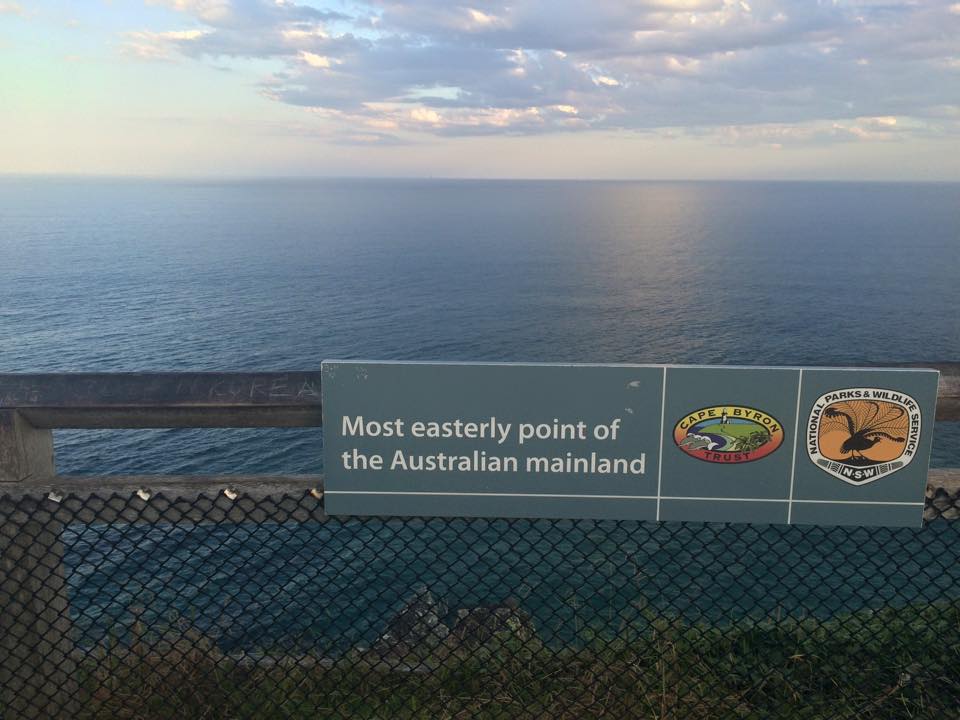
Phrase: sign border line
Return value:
(618, 497)
(663, 413)
(486, 494)
(796, 436)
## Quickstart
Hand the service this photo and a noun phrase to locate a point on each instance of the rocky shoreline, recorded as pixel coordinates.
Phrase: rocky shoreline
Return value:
(425, 628)
(943, 499)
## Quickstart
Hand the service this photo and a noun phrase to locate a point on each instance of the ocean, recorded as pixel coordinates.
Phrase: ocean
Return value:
(130, 274)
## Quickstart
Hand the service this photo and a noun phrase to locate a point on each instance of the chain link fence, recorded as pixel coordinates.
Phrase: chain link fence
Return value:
(263, 607)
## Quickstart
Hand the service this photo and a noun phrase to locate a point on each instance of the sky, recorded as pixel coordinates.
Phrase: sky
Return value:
(671, 89)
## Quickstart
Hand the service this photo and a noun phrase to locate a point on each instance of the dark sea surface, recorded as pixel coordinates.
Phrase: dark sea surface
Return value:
(103, 275)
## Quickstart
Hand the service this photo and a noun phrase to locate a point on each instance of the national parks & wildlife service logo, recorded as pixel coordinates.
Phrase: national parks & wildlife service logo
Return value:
(728, 434)
(863, 434)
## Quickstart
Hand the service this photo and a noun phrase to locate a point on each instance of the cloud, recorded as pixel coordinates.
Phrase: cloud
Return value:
(249, 14)
(314, 60)
(12, 8)
(489, 66)
(780, 135)
(147, 45)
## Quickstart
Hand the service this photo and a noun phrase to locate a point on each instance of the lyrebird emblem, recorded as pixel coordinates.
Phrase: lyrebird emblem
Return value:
(867, 423)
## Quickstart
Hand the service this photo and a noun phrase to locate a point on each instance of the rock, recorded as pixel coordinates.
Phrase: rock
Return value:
(942, 504)
(475, 626)
(418, 625)
(416, 637)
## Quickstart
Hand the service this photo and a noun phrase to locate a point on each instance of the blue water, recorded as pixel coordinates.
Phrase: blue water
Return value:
(128, 275)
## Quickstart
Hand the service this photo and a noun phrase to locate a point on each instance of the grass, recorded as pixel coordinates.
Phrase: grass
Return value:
(871, 665)
(734, 430)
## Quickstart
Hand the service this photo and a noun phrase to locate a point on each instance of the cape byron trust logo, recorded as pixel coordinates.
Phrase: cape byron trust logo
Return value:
(863, 434)
(728, 434)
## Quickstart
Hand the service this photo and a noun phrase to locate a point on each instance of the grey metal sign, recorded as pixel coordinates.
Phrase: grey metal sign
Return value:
(734, 444)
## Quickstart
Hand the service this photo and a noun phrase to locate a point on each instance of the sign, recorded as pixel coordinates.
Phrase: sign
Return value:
(634, 442)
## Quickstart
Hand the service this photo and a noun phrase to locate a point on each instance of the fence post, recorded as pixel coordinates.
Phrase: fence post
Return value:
(37, 672)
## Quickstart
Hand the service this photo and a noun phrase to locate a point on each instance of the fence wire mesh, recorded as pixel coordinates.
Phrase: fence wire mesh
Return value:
(121, 607)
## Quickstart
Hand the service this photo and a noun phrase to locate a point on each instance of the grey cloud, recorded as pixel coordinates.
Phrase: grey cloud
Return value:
(251, 14)
(537, 66)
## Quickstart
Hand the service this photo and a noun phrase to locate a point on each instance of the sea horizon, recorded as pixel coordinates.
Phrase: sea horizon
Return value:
(242, 178)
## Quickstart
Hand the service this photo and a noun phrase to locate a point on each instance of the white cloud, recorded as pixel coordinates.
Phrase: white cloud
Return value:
(425, 115)
(314, 60)
(683, 66)
(482, 20)
(147, 45)
(300, 34)
(211, 11)
(783, 135)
